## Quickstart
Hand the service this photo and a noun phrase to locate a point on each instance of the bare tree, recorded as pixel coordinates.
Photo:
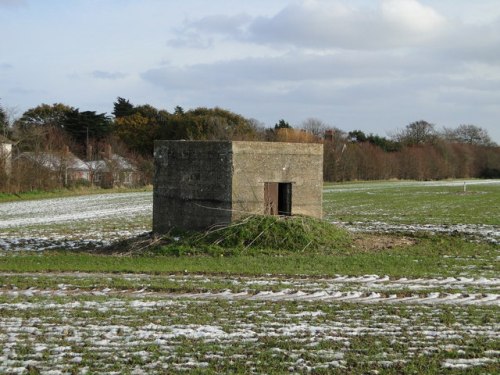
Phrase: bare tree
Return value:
(3, 122)
(416, 133)
(334, 151)
(314, 126)
(470, 134)
(8, 116)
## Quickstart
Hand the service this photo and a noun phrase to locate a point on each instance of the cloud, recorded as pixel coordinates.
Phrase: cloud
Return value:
(22, 91)
(411, 17)
(342, 68)
(12, 3)
(222, 24)
(332, 25)
(190, 39)
(349, 86)
(352, 63)
(198, 34)
(5, 66)
(331, 43)
(99, 74)
(246, 71)
(465, 42)
(325, 24)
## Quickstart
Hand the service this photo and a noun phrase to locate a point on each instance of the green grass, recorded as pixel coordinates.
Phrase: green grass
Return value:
(57, 322)
(305, 246)
(413, 203)
(435, 256)
(273, 235)
(259, 337)
(67, 323)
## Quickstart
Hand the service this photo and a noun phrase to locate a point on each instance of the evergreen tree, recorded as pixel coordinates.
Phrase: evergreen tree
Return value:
(122, 108)
(87, 125)
(282, 124)
(357, 136)
(178, 110)
(45, 115)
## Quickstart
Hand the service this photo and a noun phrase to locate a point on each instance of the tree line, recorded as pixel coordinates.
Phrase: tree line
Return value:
(417, 151)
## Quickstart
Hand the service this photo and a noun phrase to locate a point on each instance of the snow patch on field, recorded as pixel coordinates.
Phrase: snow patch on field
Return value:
(312, 324)
(483, 232)
(368, 289)
(97, 220)
(68, 334)
(63, 210)
(463, 363)
(391, 184)
(74, 221)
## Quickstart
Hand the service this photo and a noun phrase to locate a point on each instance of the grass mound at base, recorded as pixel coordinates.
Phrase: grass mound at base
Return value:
(262, 234)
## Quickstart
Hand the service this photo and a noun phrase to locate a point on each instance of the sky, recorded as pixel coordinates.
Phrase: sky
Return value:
(370, 65)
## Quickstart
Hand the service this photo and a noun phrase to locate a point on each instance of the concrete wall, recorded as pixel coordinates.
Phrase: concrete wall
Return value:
(198, 184)
(192, 185)
(255, 163)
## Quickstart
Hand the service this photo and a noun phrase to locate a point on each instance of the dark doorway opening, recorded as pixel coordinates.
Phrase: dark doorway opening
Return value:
(278, 198)
(285, 199)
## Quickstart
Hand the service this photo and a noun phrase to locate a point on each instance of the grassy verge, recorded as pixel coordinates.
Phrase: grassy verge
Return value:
(436, 256)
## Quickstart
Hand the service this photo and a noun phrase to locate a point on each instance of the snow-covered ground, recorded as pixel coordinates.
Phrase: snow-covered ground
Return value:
(490, 233)
(100, 219)
(390, 222)
(82, 208)
(353, 289)
(314, 325)
(304, 324)
(74, 221)
(401, 184)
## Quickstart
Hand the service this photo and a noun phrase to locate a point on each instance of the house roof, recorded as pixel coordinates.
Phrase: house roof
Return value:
(55, 161)
(117, 162)
(122, 162)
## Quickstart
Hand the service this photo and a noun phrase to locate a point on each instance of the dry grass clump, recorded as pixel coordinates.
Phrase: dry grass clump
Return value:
(251, 235)
(280, 233)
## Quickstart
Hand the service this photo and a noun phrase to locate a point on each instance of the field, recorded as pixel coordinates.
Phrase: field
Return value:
(417, 293)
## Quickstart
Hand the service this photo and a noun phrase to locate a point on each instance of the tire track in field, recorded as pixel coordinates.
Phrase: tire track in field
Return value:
(460, 299)
(366, 289)
(359, 297)
(435, 298)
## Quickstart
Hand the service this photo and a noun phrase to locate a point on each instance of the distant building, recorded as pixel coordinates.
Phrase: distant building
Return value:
(62, 165)
(112, 170)
(5, 155)
(199, 184)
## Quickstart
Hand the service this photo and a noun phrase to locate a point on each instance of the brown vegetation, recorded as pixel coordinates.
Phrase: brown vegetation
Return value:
(442, 160)
(417, 152)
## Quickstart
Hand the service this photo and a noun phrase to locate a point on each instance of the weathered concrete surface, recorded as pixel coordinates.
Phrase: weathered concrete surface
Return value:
(255, 163)
(198, 184)
(192, 185)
